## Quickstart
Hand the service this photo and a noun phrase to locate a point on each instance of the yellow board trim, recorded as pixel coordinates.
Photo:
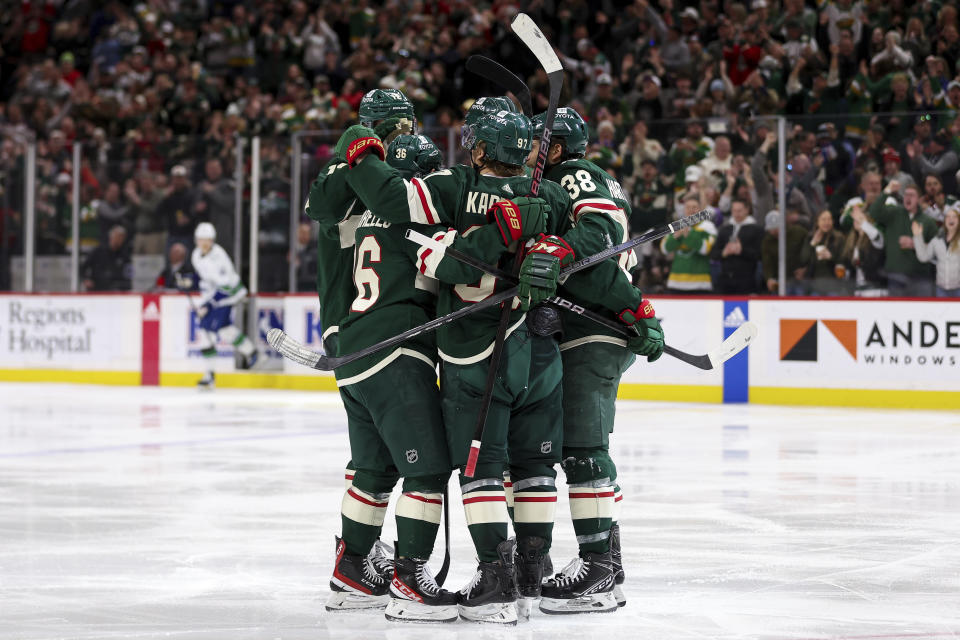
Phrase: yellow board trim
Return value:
(873, 398)
(670, 392)
(116, 378)
(247, 380)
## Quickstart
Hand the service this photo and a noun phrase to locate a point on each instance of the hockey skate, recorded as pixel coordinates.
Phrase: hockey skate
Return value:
(529, 561)
(415, 595)
(584, 586)
(617, 558)
(207, 382)
(381, 555)
(491, 595)
(356, 583)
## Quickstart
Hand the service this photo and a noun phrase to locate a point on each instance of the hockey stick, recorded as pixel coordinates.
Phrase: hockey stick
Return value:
(441, 576)
(533, 38)
(729, 348)
(297, 352)
(496, 73)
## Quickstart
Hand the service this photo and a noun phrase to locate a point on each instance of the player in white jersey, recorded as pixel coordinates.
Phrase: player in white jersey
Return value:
(220, 290)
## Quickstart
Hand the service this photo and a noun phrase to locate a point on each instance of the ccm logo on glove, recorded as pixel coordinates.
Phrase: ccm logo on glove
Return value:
(644, 311)
(359, 147)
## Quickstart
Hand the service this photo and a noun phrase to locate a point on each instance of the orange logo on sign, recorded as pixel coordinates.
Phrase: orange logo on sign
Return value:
(798, 338)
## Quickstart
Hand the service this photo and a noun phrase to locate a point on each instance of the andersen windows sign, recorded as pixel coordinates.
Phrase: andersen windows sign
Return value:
(851, 344)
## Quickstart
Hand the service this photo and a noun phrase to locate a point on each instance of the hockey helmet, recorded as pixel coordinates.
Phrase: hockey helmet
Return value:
(379, 104)
(414, 156)
(506, 134)
(205, 231)
(483, 106)
(569, 128)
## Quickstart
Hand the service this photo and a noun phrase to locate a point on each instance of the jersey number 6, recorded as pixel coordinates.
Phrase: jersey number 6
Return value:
(365, 278)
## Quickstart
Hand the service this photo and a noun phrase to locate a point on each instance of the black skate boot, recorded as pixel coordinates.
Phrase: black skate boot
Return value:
(492, 593)
(356, 583)
(617, 558)
(415, 595)
(207, 382)
(530, 561)
(585, 585)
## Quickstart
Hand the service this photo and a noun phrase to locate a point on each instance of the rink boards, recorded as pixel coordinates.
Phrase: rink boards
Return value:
(828, 352)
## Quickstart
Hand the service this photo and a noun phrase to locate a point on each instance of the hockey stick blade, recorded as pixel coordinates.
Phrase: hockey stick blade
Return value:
(293, 350)
(737, 342)
(494, 72)
(527, 30)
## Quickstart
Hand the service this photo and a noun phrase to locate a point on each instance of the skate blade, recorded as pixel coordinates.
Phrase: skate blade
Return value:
(347, 601)
(399, 610)
(494, 613)
(619, 596)
(596, 603)
(524, 607)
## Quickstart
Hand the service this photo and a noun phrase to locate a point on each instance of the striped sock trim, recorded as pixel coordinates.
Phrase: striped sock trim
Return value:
(534, 506)
(591, 502)
(363, 508)
(485, 507)
(427, 507)
(594, 484)
(348, 474)
(617, 503)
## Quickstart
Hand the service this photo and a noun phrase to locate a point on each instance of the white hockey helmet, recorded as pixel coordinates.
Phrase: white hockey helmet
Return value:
(205, 231)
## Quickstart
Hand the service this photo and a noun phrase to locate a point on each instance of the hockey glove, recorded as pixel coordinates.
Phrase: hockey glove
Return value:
(204, 310)
(644, 319)
(356, 142)
(184, 282)
(520, 218)
(541, 269)
(391, 128)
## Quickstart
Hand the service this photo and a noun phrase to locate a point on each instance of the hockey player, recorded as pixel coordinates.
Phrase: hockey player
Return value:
(594, 358)
(362, 573)
(486, 198)
(220, 290)
(397, 433)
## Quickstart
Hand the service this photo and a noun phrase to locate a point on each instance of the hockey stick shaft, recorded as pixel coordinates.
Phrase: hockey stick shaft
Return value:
(294, 350)
(531, 36)
(441, 576)
(494, 72)
(701, 362)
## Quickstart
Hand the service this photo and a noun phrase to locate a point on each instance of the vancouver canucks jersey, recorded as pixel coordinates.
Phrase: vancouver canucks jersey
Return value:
(458, 198)
(219, 281)
(334, 206)
(597, 220)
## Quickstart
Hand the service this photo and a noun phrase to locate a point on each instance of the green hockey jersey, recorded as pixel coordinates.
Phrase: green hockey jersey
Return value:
(332, 203)
(600, 210)
(457, 198)
(395, 289)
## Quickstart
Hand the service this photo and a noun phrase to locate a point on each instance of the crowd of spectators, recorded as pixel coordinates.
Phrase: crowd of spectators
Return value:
(681, 98)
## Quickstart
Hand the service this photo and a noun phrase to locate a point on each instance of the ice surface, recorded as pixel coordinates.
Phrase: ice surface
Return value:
(168, 513)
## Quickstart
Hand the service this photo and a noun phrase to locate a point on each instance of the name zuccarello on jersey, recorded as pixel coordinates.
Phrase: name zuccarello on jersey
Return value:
(370, 220)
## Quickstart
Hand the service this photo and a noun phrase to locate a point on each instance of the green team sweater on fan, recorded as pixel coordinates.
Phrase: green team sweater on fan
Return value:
(690, 270)
(600, 209)
(332, 203)
(458, 199)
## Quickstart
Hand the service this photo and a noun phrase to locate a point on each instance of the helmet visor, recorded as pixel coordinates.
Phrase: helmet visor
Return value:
(468, 137)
